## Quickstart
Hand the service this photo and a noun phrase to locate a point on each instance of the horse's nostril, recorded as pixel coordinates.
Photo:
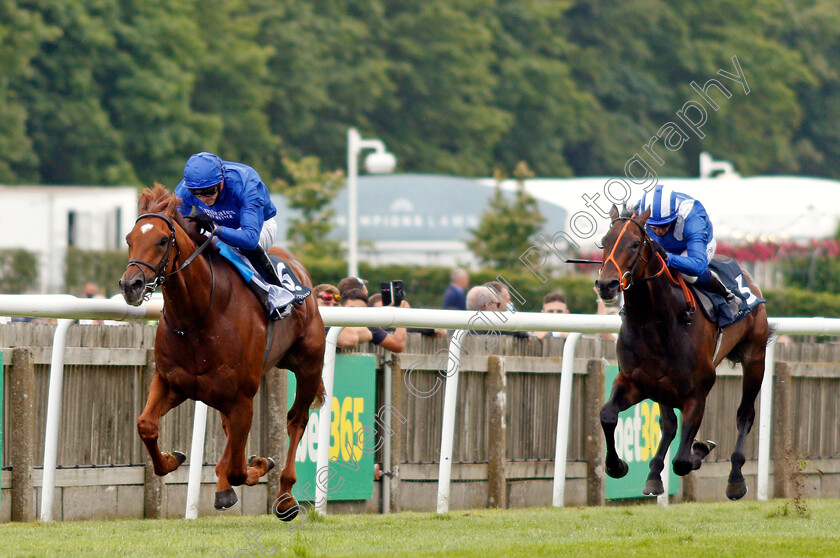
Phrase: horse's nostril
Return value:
(137, 284)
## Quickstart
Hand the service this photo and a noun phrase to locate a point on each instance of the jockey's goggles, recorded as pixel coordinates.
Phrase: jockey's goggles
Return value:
(207, 192)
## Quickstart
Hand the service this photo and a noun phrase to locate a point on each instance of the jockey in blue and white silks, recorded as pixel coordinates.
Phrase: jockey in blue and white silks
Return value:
(230, 201)
(680, 225)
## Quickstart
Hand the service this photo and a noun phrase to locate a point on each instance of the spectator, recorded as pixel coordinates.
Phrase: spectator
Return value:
(349, 283)
(483, 299)
(455, 298)
(92, 290)
(501, 291)
(375, 300)
(553, 303)
(326, 295)
(604, 308)
(351, 336)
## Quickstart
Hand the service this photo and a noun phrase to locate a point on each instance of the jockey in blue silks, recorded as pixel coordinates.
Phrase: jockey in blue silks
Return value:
(232, 202)
(680, 225)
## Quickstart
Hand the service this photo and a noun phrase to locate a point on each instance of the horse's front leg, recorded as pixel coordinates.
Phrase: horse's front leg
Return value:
(161, 399)
(668, 421)
(624, 395)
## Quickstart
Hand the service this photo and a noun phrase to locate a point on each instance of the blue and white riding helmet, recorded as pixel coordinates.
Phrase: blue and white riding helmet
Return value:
(662, 201)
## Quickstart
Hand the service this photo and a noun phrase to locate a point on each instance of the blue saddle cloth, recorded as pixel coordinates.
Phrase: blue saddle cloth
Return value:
(730, 274)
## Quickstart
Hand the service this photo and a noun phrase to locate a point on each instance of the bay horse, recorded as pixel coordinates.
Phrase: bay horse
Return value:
(660, 357)
(214, 343)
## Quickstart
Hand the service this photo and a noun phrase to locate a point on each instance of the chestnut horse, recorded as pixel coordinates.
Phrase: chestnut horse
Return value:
(214, 343)
(662, 358)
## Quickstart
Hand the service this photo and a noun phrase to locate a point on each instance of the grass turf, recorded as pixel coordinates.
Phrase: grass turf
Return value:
(776, 528)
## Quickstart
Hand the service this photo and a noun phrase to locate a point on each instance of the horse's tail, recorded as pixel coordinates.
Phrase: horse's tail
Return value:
(319, 395)
(772, 333)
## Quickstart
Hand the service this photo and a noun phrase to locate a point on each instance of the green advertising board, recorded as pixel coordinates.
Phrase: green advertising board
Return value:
(636, 439)
(351, 455)
(2, 370)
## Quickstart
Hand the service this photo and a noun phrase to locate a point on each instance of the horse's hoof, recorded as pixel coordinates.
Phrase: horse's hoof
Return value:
(270, 461)
(736, 491)
(653, 488)
(619, 470)
(179, 457)
(225, 499)
(702, 449)
(285, 513)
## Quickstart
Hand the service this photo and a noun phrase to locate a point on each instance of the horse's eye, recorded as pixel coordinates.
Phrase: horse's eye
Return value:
(163, 242)
(599, 244)
(636, 245)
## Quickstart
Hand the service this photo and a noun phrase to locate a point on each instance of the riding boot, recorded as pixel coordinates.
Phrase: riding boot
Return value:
(259, 258)
(261, 262)
(717, 287)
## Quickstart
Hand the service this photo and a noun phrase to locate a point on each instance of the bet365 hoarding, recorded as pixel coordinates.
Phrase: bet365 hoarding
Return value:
(637, 437)
(350, 474)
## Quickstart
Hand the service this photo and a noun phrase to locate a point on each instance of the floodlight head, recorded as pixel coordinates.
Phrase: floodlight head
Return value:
(380, 162)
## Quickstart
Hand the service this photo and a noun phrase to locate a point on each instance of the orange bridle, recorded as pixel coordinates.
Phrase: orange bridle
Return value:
(625, 279)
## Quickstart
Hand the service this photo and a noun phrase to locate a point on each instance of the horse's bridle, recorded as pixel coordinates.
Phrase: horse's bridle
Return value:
(160, 271)
(626, 278)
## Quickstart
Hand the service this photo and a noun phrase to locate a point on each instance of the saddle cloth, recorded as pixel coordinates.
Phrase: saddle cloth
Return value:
(273, 298)
(715, 306)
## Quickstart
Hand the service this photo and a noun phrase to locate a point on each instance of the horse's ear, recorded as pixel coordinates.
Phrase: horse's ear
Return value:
(644, 216)
(613, 213)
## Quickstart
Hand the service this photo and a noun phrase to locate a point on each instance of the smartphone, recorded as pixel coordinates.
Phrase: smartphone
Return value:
(392, 291)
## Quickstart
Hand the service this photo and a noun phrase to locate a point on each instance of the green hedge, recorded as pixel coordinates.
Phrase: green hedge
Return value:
(424, 286)
(18, 272)
(103, 267)
(801, 303)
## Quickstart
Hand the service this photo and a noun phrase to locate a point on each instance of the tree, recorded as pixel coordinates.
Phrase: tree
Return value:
(508, 226)
(310, 190)
(21, 34)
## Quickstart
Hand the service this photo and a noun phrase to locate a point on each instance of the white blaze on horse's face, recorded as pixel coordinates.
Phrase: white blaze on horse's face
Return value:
(146, 228)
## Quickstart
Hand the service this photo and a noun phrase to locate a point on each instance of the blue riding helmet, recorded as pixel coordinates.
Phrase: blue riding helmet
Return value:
(203, 170)
(663, 204)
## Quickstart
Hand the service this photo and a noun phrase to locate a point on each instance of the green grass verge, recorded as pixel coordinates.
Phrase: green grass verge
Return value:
(748, 529)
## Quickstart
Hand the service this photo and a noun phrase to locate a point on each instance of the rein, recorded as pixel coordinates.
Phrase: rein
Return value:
(626, 278)
(160, 271)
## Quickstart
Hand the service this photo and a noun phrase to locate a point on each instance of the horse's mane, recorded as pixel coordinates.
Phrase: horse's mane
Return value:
(628, 211)
(156, 199)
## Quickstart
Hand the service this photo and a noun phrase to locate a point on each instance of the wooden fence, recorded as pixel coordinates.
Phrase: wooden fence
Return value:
(104, 393)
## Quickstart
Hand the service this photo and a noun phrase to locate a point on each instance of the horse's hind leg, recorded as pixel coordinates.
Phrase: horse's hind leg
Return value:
(687, 459)
(753, 375)
(624, 395)
(161, 399)
(654, 486)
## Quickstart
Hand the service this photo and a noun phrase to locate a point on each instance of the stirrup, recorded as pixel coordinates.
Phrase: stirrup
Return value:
(280, 313)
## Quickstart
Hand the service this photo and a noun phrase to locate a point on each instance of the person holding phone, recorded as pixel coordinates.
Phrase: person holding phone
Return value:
(352, 336)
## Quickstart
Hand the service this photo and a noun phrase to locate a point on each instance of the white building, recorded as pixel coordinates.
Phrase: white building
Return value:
(47, 219)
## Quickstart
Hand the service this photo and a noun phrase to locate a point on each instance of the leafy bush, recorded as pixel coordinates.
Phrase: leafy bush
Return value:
(18, 271)
(424, 286)
(801, 303)
(103, 267)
